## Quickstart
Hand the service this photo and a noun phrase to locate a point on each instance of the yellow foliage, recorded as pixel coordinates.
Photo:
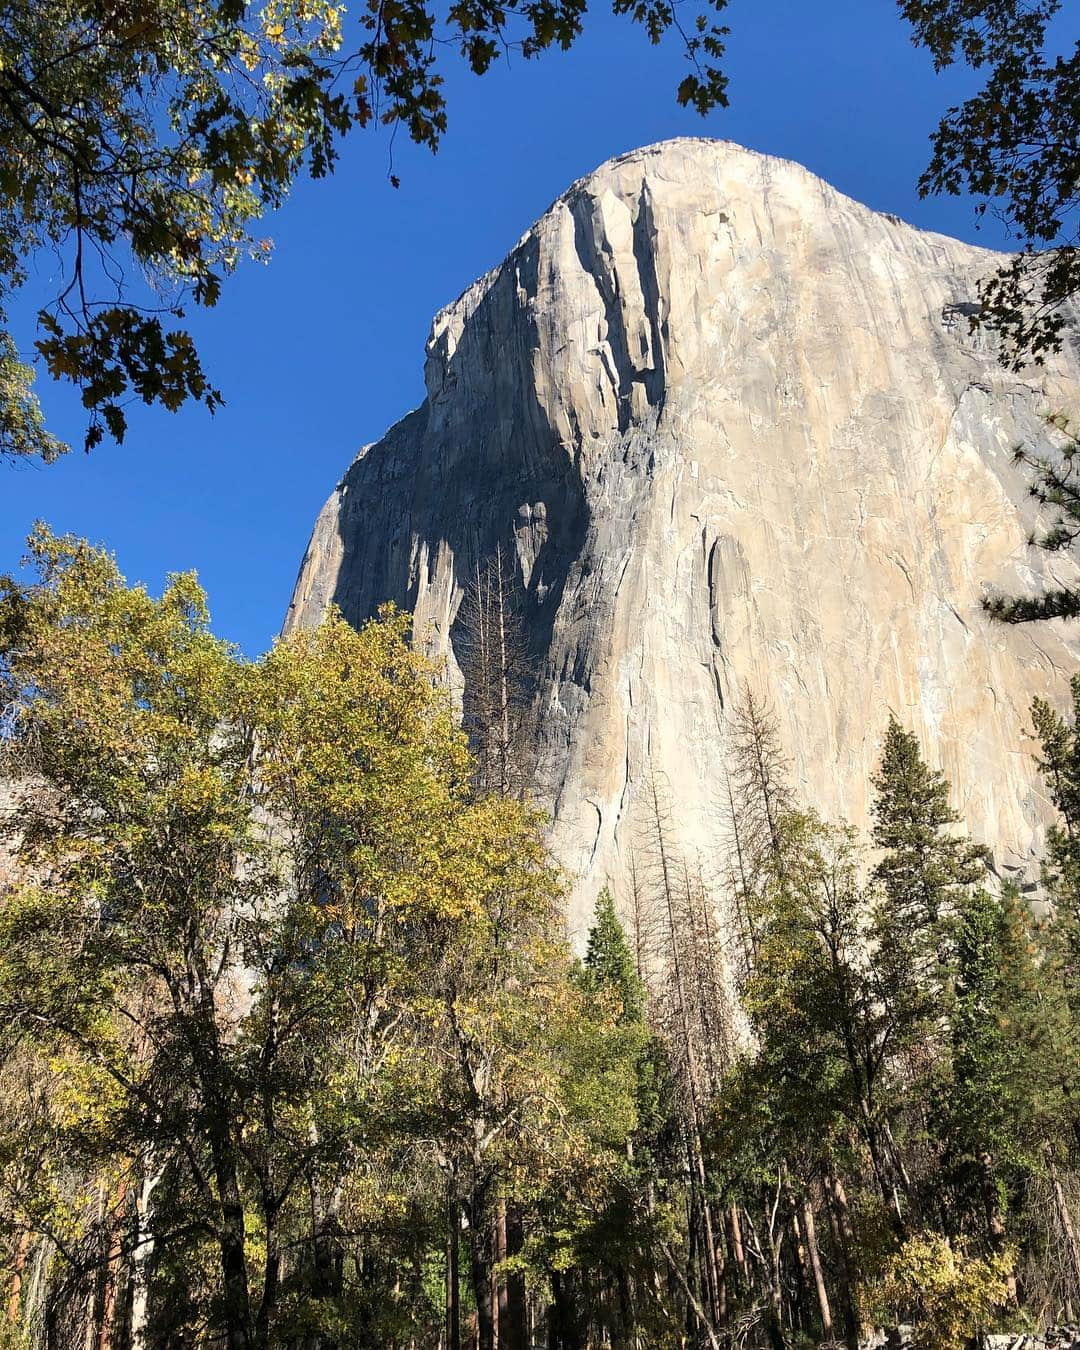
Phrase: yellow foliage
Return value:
(948, 1295)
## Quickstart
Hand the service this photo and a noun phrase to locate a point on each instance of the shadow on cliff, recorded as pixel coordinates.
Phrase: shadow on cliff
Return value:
(479, 464)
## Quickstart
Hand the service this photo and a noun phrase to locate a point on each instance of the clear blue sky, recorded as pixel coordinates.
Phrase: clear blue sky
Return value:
(323, 349)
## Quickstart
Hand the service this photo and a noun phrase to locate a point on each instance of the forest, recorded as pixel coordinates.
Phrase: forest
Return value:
(294, 1051)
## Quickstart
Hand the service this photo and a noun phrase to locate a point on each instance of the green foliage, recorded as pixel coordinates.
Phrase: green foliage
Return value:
(924, 872)
(288, 1024)
(149, 137)
(1053, 485)
(1012, 1057)
(809, 919)
(609, 962)
(598, 1232)
(1012, 1073)
(924, 867)
(269, 885)
(1014, 146)
(1060, 765)
(146, 138)
(22, 427)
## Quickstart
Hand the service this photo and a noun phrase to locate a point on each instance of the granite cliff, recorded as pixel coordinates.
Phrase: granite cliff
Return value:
(735, 428)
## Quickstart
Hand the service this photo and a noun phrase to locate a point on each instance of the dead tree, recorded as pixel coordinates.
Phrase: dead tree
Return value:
(497, 701)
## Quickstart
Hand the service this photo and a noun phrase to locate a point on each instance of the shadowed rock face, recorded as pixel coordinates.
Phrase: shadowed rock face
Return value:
(734, 427)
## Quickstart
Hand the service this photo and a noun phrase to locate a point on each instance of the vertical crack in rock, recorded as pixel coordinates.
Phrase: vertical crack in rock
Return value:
(733, 427)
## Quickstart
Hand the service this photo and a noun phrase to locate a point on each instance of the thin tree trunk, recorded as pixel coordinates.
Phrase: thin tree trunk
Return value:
(775, 1321)
(995, 1221)
(840, 1221)
(15, 1293)
(498, 1284)
(1072, 1245)
(232, 1245)
(271, 1285)
(692, 1299)
(453, 1304)
(505, 746)
(96, 1297)
(563, 1332)
(803, 1277)
(142, 1255)
(815, 1264)
(737, 1248)
(108, 1305)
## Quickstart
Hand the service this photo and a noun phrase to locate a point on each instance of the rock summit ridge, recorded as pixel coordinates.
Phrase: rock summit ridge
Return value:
(733, 428)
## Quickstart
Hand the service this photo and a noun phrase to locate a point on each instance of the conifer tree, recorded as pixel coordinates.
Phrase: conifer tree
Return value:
(1060, 764)
(924, 872)
(1055, 483)
(925, 867)
(1012, 1066)
(609, 962)
(599, 1237)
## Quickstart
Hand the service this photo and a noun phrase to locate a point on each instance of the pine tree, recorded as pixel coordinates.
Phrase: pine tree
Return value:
(609, 962)
(923, 873)
(924, 867)
(1055, 483)
(923, 876)
(1005, 1106)
(601, 1233)
(1060, 765)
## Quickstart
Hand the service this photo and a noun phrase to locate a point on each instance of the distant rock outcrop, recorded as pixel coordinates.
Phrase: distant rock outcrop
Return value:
(735, 428)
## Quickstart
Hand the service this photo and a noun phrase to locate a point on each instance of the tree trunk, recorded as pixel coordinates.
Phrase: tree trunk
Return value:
(453, 1305)
(563, 1333)
(112, 1273)
(482, 1265)
(232, 1244)
(995, 1220)
(844, 1241)
(142, 1255)
(815, 1264)
(738, 1250)
(889, 1193)
(691, 1297)
(271, 1286)
(803, 1277)
(502, 1304)
(1072, 1246)
(96, 1293)
(15, 1293)
(775, 1315)
(513, 1320)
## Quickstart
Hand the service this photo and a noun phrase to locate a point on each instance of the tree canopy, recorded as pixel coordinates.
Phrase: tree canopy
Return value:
(1014, 145)
(150, 135)
(294, 1052)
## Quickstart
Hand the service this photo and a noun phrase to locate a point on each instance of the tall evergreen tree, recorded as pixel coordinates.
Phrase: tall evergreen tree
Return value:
(923, 874)
(924, 871)
(925, 866)
(609, 962)
(1006, 1098)
(1060, 764)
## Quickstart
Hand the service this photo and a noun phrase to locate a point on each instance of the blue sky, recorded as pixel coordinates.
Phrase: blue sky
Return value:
(323, 349)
